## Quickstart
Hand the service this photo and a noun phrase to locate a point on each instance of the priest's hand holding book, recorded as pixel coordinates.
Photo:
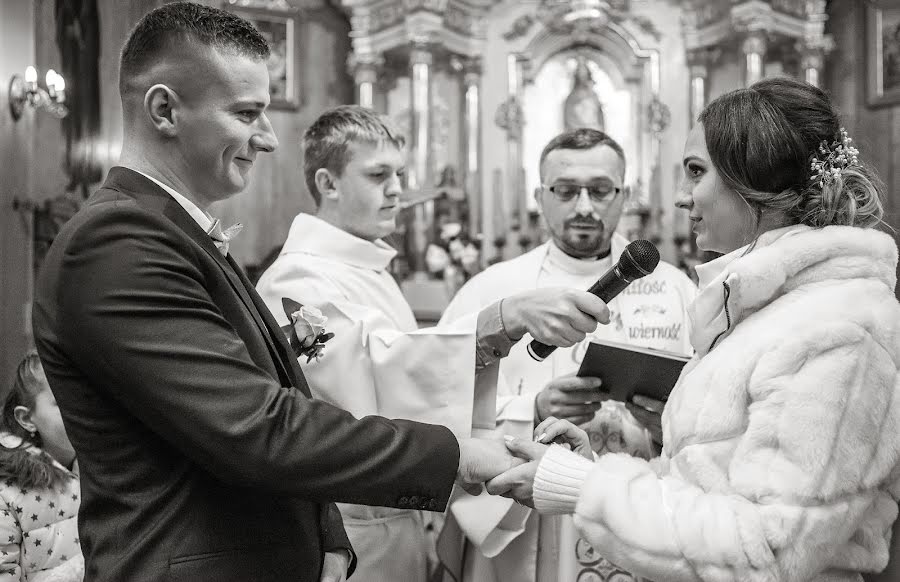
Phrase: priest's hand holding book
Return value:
(570, 397)
(640, 377)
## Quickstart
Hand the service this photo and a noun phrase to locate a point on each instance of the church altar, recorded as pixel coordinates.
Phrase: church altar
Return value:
(480, 86)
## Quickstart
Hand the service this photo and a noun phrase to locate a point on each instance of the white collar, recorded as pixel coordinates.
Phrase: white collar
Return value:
(707, 272)
(576, 266)
(312, 235)
(200, 217)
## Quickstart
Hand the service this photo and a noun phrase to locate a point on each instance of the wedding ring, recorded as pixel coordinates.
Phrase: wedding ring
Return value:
(648, 405)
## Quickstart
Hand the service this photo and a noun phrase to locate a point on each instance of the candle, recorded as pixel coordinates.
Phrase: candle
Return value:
(50, 81)
(60, 86)
(31, 79)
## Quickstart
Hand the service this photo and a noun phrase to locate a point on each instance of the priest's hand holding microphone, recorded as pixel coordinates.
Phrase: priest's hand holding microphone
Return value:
(562, 317)
(575, 398)
(570, 397)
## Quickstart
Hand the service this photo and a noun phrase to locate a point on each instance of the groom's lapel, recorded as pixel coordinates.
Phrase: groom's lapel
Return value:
(281, 345)
(235, 277)
(151, 196)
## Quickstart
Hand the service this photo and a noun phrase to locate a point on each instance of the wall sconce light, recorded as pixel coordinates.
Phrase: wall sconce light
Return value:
(26, 91)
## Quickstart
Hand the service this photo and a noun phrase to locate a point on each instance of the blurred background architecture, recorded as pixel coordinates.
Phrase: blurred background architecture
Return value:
(478, 86)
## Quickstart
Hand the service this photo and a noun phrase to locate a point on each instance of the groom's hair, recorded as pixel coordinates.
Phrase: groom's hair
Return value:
(326, 144)
(172, 25)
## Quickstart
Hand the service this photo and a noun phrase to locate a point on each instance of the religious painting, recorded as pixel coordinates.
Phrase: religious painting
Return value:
(279, 28)
(883, 58)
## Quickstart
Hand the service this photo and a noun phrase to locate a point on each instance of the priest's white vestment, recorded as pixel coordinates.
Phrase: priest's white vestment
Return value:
(651, 312)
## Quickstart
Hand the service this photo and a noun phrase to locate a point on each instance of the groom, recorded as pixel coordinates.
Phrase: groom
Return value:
(202, 455)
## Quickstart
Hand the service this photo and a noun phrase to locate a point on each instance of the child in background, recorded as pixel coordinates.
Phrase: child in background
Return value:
(39, 489)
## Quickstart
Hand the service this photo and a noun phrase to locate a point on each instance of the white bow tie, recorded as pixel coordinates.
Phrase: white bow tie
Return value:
(221, 237)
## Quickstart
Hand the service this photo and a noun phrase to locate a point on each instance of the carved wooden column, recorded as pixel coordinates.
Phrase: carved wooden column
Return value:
(471, 70)
(420, 62)
(754, 51)
(699, 63)
(510, 118)
(506, 187)
(365, 76)
(517, 172)
(815, 44)
(812, 61)
(658, 119)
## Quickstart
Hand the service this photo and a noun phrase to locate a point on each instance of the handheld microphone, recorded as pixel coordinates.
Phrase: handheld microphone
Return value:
(638, 260)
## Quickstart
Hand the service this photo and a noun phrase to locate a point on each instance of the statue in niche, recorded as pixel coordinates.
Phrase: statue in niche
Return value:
(582, 107)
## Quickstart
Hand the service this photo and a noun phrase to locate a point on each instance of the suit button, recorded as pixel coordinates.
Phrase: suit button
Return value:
(403, 501)
(497, 352)
(424, 504)
(413, 501)
(433, 504)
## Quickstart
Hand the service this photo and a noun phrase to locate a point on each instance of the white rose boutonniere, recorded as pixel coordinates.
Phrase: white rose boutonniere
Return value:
(306, 330)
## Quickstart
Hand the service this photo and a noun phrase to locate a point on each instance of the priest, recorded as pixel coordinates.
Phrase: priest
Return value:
(581, 198)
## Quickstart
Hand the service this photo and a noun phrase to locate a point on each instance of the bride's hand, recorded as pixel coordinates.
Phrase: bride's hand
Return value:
(557, 430)
(518, 482)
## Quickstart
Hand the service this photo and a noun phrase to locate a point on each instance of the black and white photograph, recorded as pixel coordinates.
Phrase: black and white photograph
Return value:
(449, 290)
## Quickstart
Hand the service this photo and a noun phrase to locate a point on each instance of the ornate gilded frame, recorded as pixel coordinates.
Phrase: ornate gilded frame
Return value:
(279, 26)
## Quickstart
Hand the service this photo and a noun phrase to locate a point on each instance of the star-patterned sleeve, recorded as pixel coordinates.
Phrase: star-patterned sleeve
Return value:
(10, 543)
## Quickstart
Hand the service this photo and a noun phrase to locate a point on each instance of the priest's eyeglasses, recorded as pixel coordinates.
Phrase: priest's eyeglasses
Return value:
(598, 192)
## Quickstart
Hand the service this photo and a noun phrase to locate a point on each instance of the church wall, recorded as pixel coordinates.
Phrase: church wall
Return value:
(875, 131)
(32, 150)
(277, 190)
(48, 174)
(674, 92)
(725, 75)
(16, 159)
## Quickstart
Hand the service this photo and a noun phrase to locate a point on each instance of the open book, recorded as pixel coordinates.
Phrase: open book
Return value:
(626, 369)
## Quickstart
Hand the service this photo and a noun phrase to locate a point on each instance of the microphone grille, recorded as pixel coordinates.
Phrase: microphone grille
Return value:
(639, 259)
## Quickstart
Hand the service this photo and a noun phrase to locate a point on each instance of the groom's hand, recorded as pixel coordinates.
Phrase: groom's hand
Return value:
(480, 460)
(518, 482)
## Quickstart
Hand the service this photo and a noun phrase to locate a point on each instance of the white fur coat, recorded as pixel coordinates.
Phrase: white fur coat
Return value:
(782, 437)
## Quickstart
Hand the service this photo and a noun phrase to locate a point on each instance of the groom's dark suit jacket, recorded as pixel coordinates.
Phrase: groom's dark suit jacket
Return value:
(202, 455)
